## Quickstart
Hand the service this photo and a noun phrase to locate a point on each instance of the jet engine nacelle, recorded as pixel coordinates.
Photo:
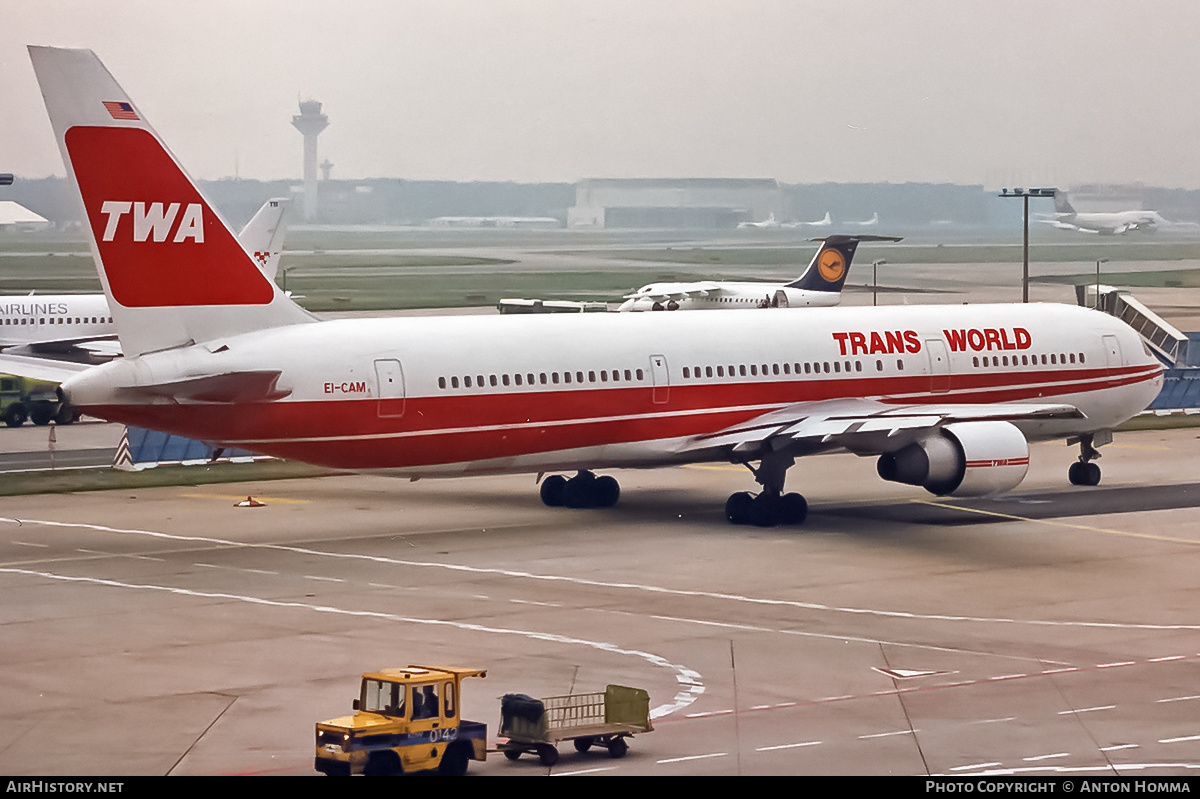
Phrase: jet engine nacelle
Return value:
(969, 459)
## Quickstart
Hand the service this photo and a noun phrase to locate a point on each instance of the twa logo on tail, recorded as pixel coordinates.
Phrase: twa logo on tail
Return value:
(160, 243)
(155, 220)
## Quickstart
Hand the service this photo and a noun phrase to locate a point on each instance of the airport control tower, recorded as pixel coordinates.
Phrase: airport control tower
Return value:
(310, 122)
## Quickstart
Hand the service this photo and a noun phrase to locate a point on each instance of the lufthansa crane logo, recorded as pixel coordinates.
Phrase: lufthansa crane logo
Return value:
(831, 265)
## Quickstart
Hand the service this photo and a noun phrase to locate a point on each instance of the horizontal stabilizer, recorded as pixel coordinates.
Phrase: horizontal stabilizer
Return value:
(228, 388)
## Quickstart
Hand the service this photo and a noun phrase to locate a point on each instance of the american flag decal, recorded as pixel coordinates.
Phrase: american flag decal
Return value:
(120, 110)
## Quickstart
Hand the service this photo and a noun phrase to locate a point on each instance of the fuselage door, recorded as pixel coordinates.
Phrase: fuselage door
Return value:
(389, 379)
(1112, 351)
(939, 365)
(661, 379)
(780, 299)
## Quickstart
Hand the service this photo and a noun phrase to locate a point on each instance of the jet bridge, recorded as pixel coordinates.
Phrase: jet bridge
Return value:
(1164, 340)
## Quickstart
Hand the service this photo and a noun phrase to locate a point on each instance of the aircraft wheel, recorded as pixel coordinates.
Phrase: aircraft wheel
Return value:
(1084, 474)
(793, 509)
(764, 512)
(578, 491)
(606, 491)
(737, 507)
(552, 490)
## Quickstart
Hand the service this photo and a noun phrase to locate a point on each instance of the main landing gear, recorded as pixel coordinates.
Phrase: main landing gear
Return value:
(771, 506)
(584, 490)
(1083, 472)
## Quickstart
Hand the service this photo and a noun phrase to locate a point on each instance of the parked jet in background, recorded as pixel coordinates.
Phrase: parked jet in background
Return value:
(872, 222)
(1106, 224)
(80, 327)
(946, 397)
(769, 222)
(819, 286)
(826, 221)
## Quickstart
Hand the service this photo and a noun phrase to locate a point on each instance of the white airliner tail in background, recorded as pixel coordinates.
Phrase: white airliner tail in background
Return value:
(944, 397)
(263, 235)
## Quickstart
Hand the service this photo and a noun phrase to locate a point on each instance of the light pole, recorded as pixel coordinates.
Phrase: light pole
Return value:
(1026, 194)
(875, 280)
(1101, 261)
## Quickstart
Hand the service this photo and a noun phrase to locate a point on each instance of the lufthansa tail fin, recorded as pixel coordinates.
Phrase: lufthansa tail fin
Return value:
(831, 264)
(173, 271)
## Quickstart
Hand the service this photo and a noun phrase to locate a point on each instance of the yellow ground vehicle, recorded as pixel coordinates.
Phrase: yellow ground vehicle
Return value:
(406, 720)
(36, 400)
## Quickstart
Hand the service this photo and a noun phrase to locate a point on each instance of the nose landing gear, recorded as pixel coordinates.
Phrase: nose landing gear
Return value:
(1083, 472)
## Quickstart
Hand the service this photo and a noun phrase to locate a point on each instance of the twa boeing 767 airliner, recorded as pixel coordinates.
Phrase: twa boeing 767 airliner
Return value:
(943, 397)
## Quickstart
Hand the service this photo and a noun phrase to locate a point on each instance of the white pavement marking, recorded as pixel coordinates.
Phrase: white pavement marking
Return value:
(1179, 740)
(787, 746)
(693, 757)
(814, 606)
(683, 674)
(887, 734)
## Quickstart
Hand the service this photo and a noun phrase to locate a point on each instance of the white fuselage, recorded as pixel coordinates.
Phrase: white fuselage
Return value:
(469, 394)
(726, 295)
(50, 319)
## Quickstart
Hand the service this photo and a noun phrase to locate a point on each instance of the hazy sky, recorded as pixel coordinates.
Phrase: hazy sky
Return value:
(999, 93)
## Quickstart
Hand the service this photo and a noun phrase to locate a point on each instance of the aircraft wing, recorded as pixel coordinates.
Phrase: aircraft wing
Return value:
(678, 292)
(38, 368)
(859, 425)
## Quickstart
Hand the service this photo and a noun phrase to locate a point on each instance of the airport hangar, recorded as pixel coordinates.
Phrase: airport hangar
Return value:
(673, 203)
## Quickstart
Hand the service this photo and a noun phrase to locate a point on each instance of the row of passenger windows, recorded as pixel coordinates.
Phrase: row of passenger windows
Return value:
(767, 369)
(543, 378)
(1029, 360)
(61, 320)
(730, 370)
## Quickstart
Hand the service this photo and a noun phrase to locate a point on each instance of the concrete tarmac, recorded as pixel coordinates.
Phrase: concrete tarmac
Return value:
(164, 631)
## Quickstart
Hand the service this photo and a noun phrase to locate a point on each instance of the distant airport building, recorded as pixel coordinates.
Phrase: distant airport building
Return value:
(1109, 197)
(673, 203)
